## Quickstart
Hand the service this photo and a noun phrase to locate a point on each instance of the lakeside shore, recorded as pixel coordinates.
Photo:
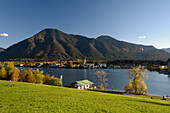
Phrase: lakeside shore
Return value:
(148, 96)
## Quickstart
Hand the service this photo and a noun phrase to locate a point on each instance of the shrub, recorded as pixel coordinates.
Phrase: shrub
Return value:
(55, 81)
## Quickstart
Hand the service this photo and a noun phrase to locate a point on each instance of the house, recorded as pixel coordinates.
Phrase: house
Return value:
(76, 64)
(83, 84)
(88, 65)
(111, 66)
(101, 65)
(39, 64)
(56, 65)
(21, 65)
(116, 67)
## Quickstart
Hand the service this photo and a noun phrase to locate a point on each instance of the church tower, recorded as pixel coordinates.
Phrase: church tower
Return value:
(85, 60)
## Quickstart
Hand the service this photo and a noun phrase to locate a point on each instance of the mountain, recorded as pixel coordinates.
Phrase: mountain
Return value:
(167, 49)
(1, 49)
(53, 44)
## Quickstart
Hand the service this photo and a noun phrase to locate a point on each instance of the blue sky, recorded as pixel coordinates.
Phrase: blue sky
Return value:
(137, 21)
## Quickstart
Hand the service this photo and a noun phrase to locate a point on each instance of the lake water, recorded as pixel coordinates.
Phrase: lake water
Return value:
(158, 84)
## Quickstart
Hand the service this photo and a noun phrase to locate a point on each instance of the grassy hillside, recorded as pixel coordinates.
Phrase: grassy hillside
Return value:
(27, 97)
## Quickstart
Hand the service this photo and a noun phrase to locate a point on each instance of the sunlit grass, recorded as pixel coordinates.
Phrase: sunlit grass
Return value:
(27, 97)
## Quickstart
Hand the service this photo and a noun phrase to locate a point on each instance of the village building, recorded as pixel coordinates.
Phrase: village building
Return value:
(56, 65)
(76, 64)
(39, 64)
(88, 64)
(83, 84)
(21, 65)
(101, 65)
(111, 66)
(116, 67)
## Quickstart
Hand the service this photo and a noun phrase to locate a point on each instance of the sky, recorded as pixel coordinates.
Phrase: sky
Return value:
(144, 22)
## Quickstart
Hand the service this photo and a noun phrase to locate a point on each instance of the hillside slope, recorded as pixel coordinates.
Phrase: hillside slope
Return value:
(167, 49)
(1, 49)
(54, 44)
(27, 97)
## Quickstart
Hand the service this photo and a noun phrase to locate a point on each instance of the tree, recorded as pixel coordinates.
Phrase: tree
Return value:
(3, 73)
(38, 76)
(54, 81)
(97, 63)
(11, 70)
(46, 79)
(136, 83)
(15, 76)
(102, 80)
(81, 64)
(23, 75)
(70, 65)
(30, 77)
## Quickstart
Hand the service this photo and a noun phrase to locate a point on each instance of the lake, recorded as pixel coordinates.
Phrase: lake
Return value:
(158, 84)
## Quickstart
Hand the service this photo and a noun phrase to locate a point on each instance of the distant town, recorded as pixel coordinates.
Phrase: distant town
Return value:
(158, 65)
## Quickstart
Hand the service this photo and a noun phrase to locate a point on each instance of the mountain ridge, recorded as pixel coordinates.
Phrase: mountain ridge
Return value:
(54, 44)
(166, 49)
(1, 49)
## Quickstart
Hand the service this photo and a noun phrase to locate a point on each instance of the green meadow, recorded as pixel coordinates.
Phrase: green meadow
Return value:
(29, 97)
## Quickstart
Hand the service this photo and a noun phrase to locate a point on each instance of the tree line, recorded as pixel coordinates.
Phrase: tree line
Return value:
(10, 72)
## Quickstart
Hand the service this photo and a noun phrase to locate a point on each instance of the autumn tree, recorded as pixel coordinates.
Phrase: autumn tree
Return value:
(15, 76)
(3, 73)
(23, 75)
(70, 65)
(55, 81)
(46, 79)
(136, 83)
(30, 77)
(11, 71)
(81, 64)
(38, 76)
(97, 63)
(102, 80)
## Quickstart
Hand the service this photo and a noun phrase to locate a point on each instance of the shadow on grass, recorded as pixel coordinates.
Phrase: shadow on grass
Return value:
(152, 102)
(106, 91)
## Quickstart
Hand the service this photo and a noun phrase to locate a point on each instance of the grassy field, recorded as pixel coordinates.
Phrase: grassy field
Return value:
(27, 97)
(153, 96)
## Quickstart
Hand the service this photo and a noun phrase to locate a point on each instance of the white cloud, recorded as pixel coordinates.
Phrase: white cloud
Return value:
(4, 34)
(142, 37)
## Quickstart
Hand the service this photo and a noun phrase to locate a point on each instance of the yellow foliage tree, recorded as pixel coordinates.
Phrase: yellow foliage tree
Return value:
(3, 73)
(38, 76)
(15, 76)
(30, 77)
(136, 83)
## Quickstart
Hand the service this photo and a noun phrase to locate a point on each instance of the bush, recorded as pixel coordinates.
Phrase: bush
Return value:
(55, 81)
